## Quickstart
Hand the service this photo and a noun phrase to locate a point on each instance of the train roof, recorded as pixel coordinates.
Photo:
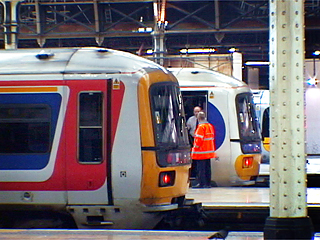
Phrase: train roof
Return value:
(71, 60)
(197, 77)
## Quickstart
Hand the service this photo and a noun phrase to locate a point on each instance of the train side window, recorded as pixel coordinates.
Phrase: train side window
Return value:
(90, 127)
(25, 128)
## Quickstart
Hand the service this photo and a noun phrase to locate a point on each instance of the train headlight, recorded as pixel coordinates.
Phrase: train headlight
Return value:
(167, 179)
(247, 162)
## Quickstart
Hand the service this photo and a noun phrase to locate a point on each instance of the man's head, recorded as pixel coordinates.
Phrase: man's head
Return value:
(196, 110)
(201, 116)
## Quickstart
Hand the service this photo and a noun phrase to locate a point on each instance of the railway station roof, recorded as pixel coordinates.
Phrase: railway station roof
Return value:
(130, 25)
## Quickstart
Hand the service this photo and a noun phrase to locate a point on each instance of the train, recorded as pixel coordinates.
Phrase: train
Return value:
(312, 118)
(228, 103)
(312, 115)
(261, 99)
(90, 138)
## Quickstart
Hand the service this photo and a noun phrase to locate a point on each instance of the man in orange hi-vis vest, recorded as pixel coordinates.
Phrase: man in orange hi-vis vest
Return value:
(203, 150)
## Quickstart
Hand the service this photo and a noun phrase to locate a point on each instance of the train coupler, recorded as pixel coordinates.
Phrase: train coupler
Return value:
(189, 216)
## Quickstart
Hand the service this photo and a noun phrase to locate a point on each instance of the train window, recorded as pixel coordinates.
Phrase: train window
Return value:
(90, 127)
(169, 124)
(248, 123)
(166, 106)
(25, 128)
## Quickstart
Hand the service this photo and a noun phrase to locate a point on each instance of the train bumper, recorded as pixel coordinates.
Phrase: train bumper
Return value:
(168, 207)
(160, 208)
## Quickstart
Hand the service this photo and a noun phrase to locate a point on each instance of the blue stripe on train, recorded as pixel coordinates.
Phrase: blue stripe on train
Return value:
(31, 161)
(216, 119)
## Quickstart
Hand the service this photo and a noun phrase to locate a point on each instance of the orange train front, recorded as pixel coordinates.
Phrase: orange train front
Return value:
(90, 137)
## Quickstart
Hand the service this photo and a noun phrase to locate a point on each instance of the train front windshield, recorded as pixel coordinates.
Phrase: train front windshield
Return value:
(171, 135)
(248, 124)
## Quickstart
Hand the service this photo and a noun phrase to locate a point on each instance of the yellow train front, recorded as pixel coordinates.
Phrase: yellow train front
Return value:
(90, 138)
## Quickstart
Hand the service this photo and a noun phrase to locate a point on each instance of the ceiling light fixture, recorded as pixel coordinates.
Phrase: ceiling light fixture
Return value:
(258, 63)
(197, 50)
(316, 53)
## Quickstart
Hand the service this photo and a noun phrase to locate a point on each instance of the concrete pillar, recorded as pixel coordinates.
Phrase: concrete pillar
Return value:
(288, 204)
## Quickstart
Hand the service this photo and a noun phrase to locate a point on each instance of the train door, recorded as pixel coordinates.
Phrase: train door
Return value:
(215, 104)
(192, 99)
(86, 142)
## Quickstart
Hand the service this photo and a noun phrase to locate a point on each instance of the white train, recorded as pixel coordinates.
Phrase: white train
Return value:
(228, 103)
(261, 100)
(89, 138)
(312, 99)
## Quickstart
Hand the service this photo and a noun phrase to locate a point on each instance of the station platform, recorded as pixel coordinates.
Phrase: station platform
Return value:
(245, 208)
(219, 199)
(237, 197)
(123, 235)
(119, 235)
(312, 170)
(312, 166)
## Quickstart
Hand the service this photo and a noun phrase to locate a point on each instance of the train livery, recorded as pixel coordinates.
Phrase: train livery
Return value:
(228, 103)
(90, 138)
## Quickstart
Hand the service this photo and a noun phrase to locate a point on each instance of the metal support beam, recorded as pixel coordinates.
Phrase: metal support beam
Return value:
(71, 18)
(216, 14)
(288, 204)
(10, 24)
(159, 46)
(97, 18)
(243, 15)
(189, 15)
(159, 31)
(126, 17)
(40, 18)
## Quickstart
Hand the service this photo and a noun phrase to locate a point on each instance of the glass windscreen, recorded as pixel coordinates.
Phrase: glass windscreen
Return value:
(248, 122)
(168, 115)
(169, 124)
